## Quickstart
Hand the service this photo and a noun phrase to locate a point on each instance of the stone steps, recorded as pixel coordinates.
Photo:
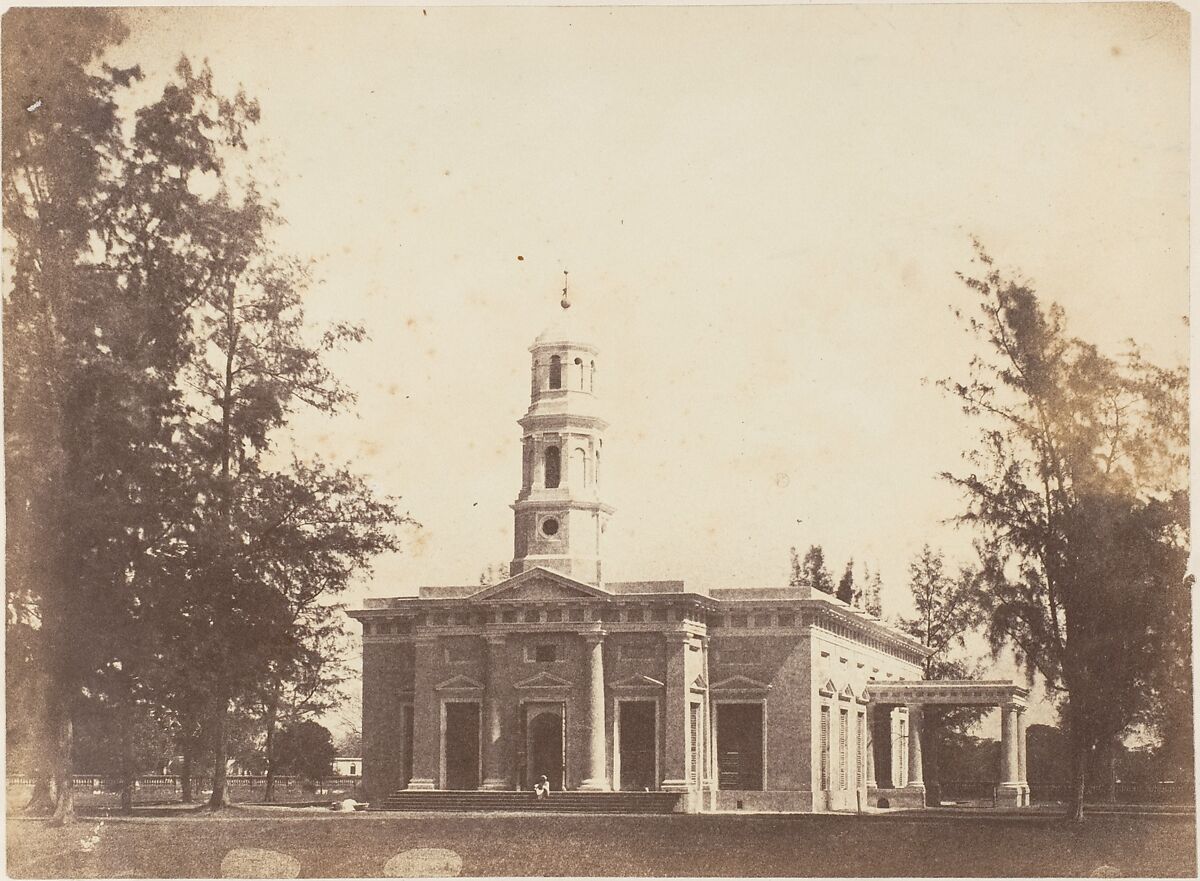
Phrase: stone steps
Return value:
(572, 801)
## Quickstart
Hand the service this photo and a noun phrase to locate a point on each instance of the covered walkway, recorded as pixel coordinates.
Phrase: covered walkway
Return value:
(898, 707)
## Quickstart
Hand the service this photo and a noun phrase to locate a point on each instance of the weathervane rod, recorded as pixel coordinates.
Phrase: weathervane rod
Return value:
(566, 301)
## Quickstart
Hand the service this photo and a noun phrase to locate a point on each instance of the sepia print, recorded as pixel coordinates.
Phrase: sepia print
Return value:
(597, 441)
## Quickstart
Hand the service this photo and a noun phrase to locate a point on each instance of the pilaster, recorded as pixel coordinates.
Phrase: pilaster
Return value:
(676, 728)
(495, 773)
(426, 748)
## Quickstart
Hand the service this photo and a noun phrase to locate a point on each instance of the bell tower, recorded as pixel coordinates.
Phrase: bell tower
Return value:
(558, 516)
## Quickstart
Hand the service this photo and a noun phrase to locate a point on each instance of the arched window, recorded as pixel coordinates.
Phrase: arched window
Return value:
(579, 364)
(553, 469)
(597, 474)
(580, 472)
(555, 372)
(592, 378)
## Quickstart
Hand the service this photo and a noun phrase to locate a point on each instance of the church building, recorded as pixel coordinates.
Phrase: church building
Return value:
(779, 698)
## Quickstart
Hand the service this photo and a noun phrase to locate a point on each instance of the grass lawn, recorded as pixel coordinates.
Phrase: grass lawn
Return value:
(325, 844)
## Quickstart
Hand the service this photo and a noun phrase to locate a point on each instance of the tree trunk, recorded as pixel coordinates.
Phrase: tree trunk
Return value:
(272, 709)
(220, 795)
(1080, 750)
(64, 791)
(42, 799)
(128, 775)
(185, 776)
(1108, 770)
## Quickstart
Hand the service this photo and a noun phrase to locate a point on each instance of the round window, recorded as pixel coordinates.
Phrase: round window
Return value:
(550, 526)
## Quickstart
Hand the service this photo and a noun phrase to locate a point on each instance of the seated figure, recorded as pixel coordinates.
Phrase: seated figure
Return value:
(542, 788)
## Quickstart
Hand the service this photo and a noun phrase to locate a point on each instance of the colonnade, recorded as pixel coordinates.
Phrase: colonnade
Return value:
(1013, 786)
(586, 701)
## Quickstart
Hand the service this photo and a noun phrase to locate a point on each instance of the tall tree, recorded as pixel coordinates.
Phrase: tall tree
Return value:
(811, 571)
(947, 611)
(95, 331)
(1077, 491)
(872, 592)
(846, 591)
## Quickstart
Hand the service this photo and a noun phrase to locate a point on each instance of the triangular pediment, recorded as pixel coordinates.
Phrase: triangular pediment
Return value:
(740, 683)
(828, 689)
(539, 584)
(543, 680)
(637, 681)
(847, 693)
(458, 682)
(700, 683)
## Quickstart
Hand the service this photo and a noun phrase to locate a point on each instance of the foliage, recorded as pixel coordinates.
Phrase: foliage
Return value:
(1076, 491)
(306, 748)
(846, 591)
(871, 593)
(166, 560)
(947, 611)
(811, 571)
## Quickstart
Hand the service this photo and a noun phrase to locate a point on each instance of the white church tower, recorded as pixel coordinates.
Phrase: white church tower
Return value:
(558, 516)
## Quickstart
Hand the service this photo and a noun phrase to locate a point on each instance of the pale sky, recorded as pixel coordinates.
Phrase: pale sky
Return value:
(762, 211)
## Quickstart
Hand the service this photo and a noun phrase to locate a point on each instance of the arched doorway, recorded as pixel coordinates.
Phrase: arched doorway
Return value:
(546, 748)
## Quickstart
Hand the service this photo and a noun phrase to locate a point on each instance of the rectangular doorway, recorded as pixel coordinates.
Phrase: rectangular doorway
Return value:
(638, 745)
(461, 745)
(740, 746)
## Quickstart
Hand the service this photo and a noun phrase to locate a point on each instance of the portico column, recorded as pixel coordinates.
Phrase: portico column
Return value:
(1022, 778)
(495, 775)
(1010, 789)
(595, 758)
(869, 746)
(1008, 745)
(427, 724)
(676, 729)
(915, 772)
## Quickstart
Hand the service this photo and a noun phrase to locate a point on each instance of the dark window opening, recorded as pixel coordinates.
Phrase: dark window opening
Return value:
(509, 617)
(553, 468)
(545, 653)
(579, 364)
(550, 526)
(532, 617)
(555, 372)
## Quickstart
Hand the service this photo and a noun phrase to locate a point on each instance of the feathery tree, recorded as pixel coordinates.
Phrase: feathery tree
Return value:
(846, 592)
(947, 611)
(96, 329)
(1078, 492)
(811, 571)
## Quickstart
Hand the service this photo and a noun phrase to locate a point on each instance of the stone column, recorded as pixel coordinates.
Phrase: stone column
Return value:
(495, 775)
(427, 723)
(869, 746)
(595, 755)
(676, 725)
(915, 772)
(1008, 745)
(1009, 790)
(1022, 777)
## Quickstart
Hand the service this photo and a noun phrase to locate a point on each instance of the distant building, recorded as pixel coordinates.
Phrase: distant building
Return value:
(347, 766)
(763, 698)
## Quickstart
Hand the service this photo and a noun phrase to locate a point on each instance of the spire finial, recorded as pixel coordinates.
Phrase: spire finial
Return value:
(566, 301)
